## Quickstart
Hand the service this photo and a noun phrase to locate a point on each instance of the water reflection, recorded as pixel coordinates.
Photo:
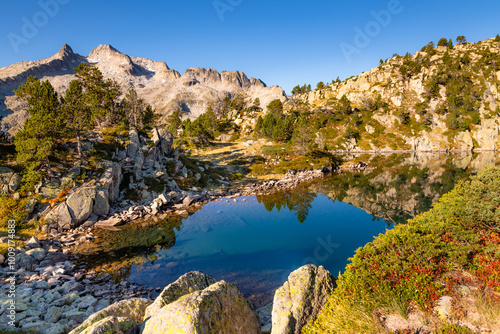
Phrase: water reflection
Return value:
(256, 243)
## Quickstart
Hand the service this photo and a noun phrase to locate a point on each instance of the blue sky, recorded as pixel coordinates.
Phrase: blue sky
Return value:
(282, 42)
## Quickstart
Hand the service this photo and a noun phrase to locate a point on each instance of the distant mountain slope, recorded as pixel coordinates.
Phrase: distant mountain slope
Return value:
(440, 98)
(165, 89)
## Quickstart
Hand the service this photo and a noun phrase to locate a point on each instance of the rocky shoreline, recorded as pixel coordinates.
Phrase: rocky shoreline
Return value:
(179, 202)
(52, 293)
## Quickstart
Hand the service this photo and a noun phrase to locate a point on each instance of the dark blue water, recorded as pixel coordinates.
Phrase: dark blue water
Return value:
(245, 244)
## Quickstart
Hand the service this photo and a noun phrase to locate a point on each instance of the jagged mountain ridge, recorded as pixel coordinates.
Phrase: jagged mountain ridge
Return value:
(165, 89)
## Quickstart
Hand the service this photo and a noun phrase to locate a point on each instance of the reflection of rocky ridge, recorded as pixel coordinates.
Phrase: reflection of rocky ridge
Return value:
(398, 190)
(165, 89)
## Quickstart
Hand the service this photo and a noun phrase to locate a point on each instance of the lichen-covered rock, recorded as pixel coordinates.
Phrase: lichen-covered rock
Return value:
(101, 203)
(187, 283)
(9, 181)
(220, 308)
(110, 179)
(14, 182)
(133, 309)
(80, 204)
(134, 144)
(53, 314)
(112, 325)
(486, 134)
(5, 176)
(60, 216)
(24, 260)
(300, 299)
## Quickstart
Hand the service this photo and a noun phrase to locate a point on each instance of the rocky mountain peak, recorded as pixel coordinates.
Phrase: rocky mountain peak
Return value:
(65, 52)
(106, 52)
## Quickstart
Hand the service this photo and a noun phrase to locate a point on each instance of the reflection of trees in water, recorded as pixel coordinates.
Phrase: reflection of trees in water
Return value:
(400, 187)
(297, 200)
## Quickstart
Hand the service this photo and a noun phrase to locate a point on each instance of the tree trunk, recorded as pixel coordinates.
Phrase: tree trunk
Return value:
(50, 173)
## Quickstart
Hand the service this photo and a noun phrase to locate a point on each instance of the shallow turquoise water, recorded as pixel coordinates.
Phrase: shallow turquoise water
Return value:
(245, 244)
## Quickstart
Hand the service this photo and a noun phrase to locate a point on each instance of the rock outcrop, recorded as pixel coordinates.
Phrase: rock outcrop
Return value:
(93, 198)
(220, 308)
(186, 284)
(300, 299)
(405, 107)
(122, 316)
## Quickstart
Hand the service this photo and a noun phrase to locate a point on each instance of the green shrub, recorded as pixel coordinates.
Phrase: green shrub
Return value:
(11, 209)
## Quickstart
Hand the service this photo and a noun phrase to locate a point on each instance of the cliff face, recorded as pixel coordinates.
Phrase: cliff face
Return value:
(165, 89)
(436, 99)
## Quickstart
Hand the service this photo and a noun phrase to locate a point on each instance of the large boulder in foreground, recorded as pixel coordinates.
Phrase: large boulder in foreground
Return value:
(220, 308)
(113, 325)
(186, 284)
(301, 299)
(123, 316)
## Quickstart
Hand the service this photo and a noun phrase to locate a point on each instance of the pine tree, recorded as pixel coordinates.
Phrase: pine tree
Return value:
(174, 121)
(302, 136)
(256, 103)
(268, 125)
(258, 126)
(450, 44)
(461, 39)
(296, 90)
(345, 105)
(275, 107)
(76, 114)
(149, 117)
(99, 94)
(443, 42)
(134, 108)
(35, 142)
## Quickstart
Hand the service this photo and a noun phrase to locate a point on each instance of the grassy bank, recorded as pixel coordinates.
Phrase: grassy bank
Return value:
(454, 247)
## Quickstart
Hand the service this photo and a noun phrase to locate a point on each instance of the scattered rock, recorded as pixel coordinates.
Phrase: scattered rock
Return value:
(113, 221)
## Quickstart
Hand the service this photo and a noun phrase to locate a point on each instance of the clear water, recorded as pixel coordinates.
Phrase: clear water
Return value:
(258, 240)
